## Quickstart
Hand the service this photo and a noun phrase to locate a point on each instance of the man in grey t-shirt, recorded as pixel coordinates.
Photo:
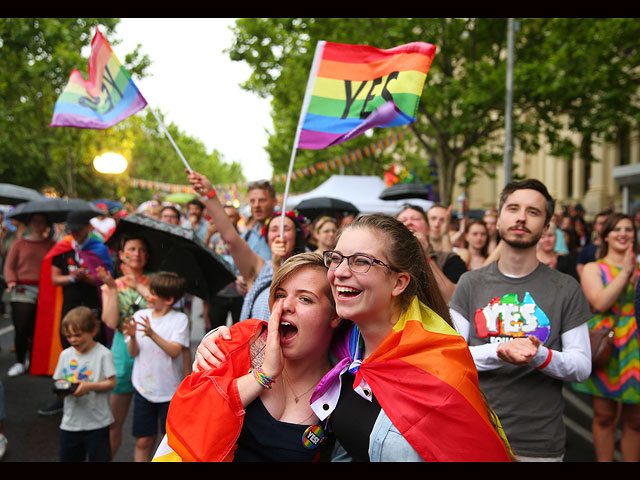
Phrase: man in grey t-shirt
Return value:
(526, 325)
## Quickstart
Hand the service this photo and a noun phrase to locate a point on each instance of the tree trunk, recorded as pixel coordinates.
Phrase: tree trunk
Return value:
(71, 181)
(446, 176)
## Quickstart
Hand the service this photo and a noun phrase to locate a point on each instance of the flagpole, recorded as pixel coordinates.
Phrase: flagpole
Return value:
(166, 132)
(303, 112)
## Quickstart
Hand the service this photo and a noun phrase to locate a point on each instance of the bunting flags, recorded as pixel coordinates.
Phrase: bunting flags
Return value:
(234, 189)
(108, 97)
(353, 88)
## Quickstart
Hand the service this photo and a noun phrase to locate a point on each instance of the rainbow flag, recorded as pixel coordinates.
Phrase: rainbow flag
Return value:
(108, 97)
(353, 88)
(425, 380)
(46, 336)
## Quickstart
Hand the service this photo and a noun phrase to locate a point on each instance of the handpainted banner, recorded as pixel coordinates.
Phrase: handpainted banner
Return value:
(108, 97)
(353, 88)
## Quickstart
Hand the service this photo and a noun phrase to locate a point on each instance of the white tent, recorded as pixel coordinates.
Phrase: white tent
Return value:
(362, 191)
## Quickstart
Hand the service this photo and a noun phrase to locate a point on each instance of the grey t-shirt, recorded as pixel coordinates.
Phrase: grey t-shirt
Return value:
(91, 410)
(545, 303)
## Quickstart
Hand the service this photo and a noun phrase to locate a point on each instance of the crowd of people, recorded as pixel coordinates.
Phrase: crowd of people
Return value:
(413, 337)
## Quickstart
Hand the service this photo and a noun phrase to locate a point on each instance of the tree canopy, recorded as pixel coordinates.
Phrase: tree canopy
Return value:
(570, 76)
(37, 56)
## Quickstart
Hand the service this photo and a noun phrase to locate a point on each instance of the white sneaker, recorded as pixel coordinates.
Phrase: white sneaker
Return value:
(16, 369)
(3, 445)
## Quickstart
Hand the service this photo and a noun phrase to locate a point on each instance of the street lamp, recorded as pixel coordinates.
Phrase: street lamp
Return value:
(111, 163)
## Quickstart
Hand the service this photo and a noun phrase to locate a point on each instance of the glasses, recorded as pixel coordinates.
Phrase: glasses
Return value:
(358, 263)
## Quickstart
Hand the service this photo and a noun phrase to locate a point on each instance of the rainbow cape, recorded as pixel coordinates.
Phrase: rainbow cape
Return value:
(46, 337)
(425, 380)
(353, 88)
(108, 97)
(209, 434)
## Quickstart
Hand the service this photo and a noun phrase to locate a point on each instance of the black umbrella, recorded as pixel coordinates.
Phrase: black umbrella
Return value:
(56, 209)
(315, 207)
(15, 194)
(400, 191)
(177, 249)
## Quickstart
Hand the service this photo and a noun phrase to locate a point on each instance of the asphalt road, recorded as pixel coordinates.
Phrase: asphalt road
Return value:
(34, 438)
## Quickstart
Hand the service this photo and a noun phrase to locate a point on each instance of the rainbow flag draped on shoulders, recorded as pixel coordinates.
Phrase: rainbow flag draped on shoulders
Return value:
(108, 97)
(353, 88)
(425, 380)
(46, 337)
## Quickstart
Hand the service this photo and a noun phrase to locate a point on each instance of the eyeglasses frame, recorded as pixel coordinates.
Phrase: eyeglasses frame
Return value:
(349, 257)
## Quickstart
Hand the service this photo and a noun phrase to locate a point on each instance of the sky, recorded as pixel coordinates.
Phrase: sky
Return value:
(197, 87)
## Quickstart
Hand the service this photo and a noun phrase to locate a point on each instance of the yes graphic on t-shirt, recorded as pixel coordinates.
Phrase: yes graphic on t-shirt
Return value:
(73, 374)
(505, 318)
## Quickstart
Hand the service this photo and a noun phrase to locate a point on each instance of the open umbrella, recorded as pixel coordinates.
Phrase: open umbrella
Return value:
(401, 191)
(315, 207)
(14, 194)
(177, 249)
(56, 209)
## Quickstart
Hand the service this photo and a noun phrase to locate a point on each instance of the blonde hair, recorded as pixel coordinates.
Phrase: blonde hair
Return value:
(319, 223)
(294, 264)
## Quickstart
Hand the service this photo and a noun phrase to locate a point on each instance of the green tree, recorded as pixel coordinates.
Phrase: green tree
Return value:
(576, 75)
(36, 59)
(152, 157)
(571, 75)
(463, 98)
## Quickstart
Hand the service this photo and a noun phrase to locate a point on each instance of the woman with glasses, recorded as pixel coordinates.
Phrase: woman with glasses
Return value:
(405, 387)
(257, 273)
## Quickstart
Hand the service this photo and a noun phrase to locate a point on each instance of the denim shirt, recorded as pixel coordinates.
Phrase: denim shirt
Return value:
(386, 443)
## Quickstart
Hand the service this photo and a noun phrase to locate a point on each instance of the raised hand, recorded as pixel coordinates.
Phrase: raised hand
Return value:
(273, 358)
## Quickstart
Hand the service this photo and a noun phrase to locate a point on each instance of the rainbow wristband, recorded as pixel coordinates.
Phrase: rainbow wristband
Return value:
(262, 378)
(546, 362)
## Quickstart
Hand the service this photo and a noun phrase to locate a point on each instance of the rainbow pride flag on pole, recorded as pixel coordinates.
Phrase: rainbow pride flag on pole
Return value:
(108, 97)
(353, 88)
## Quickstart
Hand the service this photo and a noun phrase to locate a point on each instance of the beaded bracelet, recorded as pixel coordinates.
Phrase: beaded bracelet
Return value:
(262, 378)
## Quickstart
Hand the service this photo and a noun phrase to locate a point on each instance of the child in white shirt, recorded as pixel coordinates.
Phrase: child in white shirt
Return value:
(156, 338)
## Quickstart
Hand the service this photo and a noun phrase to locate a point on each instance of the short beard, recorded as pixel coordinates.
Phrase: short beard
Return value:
(522, 244)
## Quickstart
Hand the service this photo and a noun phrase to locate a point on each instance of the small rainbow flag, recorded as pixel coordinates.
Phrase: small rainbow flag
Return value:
(353, 88)
(108, 97)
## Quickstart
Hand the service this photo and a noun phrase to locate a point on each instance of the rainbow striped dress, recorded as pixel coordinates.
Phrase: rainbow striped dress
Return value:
(619, 380)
